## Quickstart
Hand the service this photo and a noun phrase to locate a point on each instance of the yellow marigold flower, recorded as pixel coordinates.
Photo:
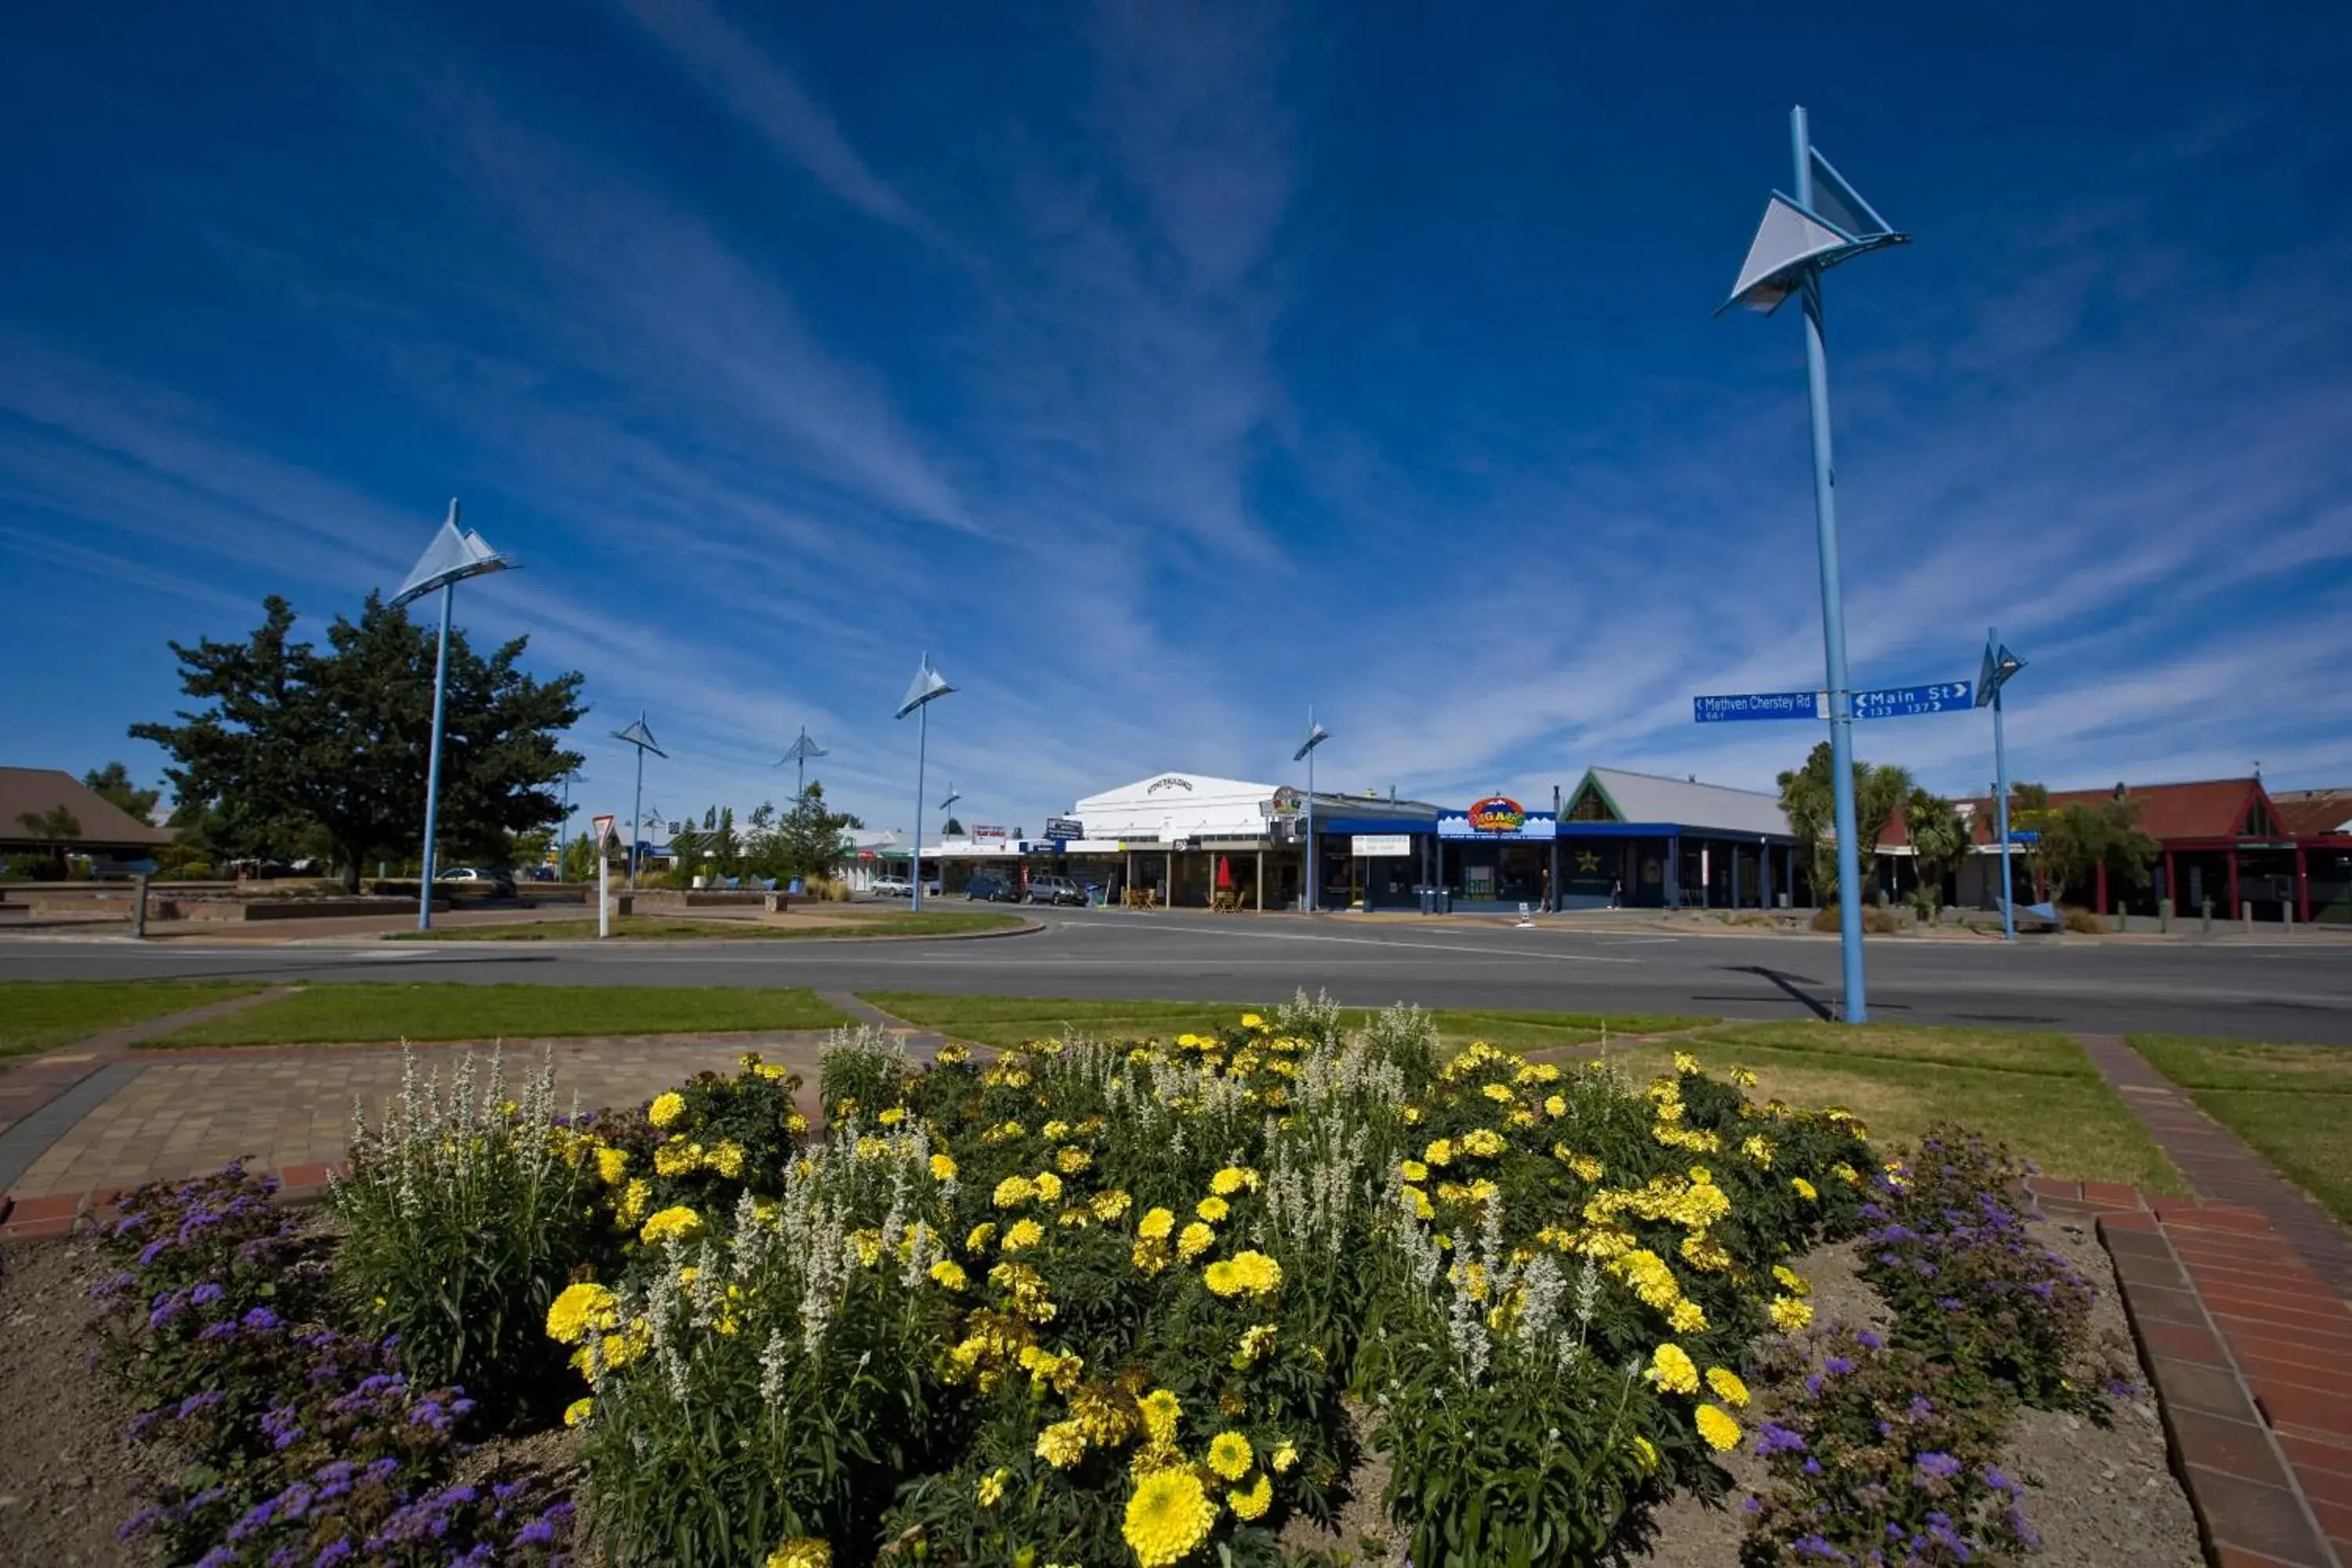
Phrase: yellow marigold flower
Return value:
(1109, 1206)
(1062, 1445)
(1439, 1153)
(1421, 1207)
(1013, 1190)
(1556, 1106)
(1048, 1186)
(1156, 1225)
(1196, 1239)
(580, 1308)
(1789, 1314)
(578, 1411)
(1022, 1235)
(1252, 1501)
(1252, 1021)
(1161, 1410)
(1804, 1189)
(1228, 1181)
(795, 1123)
(1485, 1143)
(676, 1157)
(802, 1551)
(943, 1168)
(1219, 1278)
(981, 1237)
(1500, 1093)
(1072, 1160)
(1254, 1342)
(947, 1272)
(634, 1199)
(610, 1164)
(1413, 1114)
(869, 1243)
(1686, 1317)
(1149, 1256)
(1285, 1454)
(1687, 1064)
(1213, 1210)
(1168, 1516)
(1792, 1281)
(1414, 1171)
(665, 1109)
(991, 1491)
(1230, 1455)
(892, 1117)
(675, 1221)
(1742, 1077)
(1727, 1387)
(1672, 1371)
(1845, 1173)
(727, 1159)
(1718, 1428)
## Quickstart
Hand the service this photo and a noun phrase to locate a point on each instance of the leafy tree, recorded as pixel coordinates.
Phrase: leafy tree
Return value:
(1808, 798)
(1940, 841)
(808, 840)
(114, 783)
(298, 738)
(2075, 839)
(580, 859)
(954, 829)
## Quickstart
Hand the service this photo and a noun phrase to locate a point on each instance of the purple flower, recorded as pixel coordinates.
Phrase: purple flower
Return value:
(260, 1318)
(2000, 1482)
(205, 1294)
(1870, 1341)
(1814, 1546)
(1939, 1467)
(1774, 1438)
(1837, 1366)
(333, 1552)
(1920, 1409)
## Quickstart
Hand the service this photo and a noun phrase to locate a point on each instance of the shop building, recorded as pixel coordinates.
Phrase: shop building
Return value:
(1647, 841)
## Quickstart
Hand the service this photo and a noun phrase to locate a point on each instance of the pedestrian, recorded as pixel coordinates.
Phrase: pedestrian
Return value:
(1617, 893)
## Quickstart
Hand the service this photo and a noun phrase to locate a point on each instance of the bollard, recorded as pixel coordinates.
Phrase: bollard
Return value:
(138, 907)
(2286, 914)
(2123, 919)
(2209, 916)
(2246, 913)
(2164, 916)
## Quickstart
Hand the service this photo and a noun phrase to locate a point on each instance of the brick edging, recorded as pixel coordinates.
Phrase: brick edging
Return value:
(70, 1213)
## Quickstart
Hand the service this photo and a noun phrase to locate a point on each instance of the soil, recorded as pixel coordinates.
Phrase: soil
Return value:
(67, 1475)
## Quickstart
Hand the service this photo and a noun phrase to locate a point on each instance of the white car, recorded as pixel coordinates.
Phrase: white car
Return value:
(891, 888)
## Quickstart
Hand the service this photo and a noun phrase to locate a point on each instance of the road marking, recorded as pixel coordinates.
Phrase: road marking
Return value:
(1431, 946)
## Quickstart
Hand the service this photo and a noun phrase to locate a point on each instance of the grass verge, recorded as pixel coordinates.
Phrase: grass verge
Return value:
(2037, 1093)
(2290, 1102)
(1007, 1021)
(42, 1015)
(670, 928)
(358, 1013)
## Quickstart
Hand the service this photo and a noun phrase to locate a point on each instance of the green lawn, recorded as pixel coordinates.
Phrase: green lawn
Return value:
(41, 1015)
(1006, 1021)
(2291, 1102)
(352, 1013)
(2036, 1093)
(672, 928)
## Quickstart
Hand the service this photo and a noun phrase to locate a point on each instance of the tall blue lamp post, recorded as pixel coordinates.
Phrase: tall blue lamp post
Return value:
(1826, 222)
(799, 754)
(642, 738)
(1316, 736)
(928, 687)
(450, 560)
(1999, 665)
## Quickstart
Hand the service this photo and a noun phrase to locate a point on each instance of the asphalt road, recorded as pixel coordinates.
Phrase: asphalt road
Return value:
(2283, 991)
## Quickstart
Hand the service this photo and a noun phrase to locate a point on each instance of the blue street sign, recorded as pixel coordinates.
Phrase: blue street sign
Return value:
(1761, 705)
(1902, 701)
(2024, 836)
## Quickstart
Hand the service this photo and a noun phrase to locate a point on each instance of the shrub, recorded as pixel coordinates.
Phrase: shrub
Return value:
(1950, 1251)
(1875, 922)
(1097, 1301)
(1875, 1461)
(2084, 922)
(467, 1212)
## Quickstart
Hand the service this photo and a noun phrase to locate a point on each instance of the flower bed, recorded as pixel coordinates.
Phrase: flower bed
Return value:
(1093, 1302)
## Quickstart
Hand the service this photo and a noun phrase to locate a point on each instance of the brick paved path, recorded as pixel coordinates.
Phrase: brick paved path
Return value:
(2239, 1302)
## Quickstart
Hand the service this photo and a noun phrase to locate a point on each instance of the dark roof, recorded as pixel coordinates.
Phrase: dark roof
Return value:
(2307, 812)
(2202, 808)
(104, 825)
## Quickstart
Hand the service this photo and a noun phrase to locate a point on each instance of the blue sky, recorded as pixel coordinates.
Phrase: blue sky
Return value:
(1162, 370)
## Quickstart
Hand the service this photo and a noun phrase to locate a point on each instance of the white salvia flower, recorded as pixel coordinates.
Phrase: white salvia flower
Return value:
(775, 1362)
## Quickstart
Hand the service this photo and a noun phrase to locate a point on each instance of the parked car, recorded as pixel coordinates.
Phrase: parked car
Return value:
(1056, 890)
(501, 884)
(994, 888)
(891, 888)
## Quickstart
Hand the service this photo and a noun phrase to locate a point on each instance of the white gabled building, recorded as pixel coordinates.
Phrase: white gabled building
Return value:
(1168, 807)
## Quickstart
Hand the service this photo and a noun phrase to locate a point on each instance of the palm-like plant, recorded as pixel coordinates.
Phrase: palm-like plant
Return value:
(1941, 840)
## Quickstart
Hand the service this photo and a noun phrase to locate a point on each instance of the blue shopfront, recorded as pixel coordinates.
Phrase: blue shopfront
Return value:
(1644, 841)
(1497, 855)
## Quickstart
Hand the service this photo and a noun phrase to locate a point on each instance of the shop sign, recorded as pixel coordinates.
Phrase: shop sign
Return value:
(1286, 802)
(1381, 846)
(1497, 814)
(1065, 827)
(988, 835)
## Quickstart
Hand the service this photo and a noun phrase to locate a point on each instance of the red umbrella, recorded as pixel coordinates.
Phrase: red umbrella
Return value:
(1224, 873)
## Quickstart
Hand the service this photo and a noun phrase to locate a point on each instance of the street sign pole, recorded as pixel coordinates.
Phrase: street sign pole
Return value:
(2000, 783)
(433, 762)
(922, 755)
(1817, 373)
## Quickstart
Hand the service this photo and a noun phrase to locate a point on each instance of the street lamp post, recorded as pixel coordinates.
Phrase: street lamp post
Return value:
(1826, 222)
(1999, 665)
(928, 687)
(1316, 736)
(799, 753)
(450, 560)
(953, 795)
(642, 738)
